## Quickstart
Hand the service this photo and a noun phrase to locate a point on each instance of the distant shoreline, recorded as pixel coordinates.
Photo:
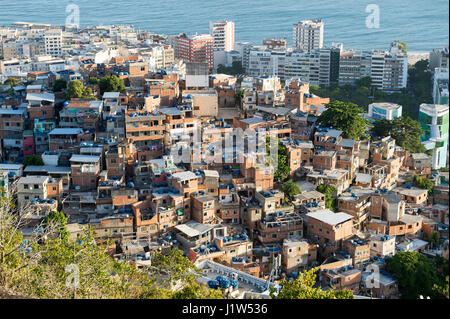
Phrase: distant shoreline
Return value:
(414, 57)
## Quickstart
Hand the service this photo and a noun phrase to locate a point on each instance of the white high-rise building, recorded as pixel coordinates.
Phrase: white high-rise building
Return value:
(307, 35)
(53, 42)
(244, 50)
(223, 34)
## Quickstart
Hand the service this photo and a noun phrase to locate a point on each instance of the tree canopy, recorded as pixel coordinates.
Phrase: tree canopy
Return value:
(235, 68)
(404, 130)
(76, 89)
(423, 183)
(329, 191)
(59, 85)
(51, 266)
(303, 288)
(290, 189)
(417, 274)
(32, 160)
(344, 116)
(418, 91)
(111, 84)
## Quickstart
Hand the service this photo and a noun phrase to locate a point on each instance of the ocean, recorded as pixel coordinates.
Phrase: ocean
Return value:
(423, 25)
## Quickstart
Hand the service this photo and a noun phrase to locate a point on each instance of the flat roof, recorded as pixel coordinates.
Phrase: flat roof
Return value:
(170, 111)
(111, 95)
(330, 218)
(11, 166)
(252, 120)
(347, 143)
(85, 158)
(182, 176)
(33, 179)
(52, 169)
(193, 228)
(363, 178)
(41, 97)
(413, 191)
(211, 173)
(12, 112)
(66, 131)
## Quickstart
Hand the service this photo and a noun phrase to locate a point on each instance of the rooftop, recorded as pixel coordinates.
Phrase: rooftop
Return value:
(330, 218)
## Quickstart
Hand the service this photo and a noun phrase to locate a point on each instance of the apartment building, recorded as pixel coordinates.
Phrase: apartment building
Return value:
(53, 39)
(439, 58)
(198, 48)
(308, 35)
(329, 227)
(146, 130)
(297, 254)
(31, 187)
(85, 170)
(434, 120)
(223, 34)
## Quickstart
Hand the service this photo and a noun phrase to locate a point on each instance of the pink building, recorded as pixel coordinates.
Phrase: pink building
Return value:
(28, 143)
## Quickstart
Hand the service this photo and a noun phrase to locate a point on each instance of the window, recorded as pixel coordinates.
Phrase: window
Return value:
(36, 186)
(25, 186)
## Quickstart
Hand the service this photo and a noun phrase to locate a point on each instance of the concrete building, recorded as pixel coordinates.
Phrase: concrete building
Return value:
(53, 39)
(308, 35)
(198, 48)
(440, 86)
(223, 34)
(439, 58)
(385, 110)
(31, 187)
(434, 120)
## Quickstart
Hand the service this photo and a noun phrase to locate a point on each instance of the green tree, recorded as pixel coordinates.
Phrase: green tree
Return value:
(330, 192)
(290, 189)
(344, 116)
(94, 80)
(402, 46)
(11, 81)
(434, 239)
(75, 89)
(416, 274)
(111, 84)
(58, 222)
(442, 290)
(303, 288)
(195, 291)
(59, 85)
(423, 183)
(238, 97)
(404, 130)
(235, 69)
(33, 160)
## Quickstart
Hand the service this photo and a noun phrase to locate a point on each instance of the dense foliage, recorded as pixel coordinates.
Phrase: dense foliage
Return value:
(111, 84)
(235, 69)
(303, 288)
(423, 183)
(418, 275)
(290, 189)
(362, 93)
(76, 89)
(32, 160)
(329, 191)
(404, 130)
(346, 117)
(49, 265)
(59, 85)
